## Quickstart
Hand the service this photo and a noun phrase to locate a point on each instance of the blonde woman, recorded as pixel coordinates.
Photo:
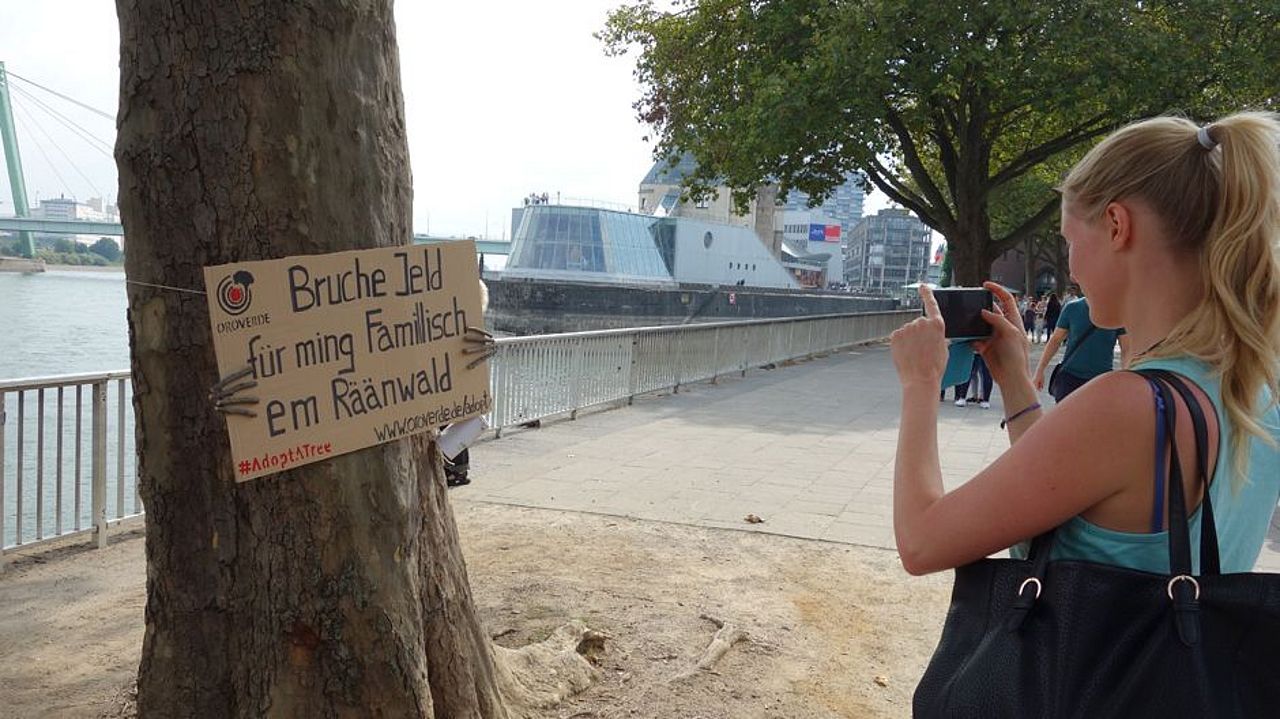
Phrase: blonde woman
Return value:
(1173, 235)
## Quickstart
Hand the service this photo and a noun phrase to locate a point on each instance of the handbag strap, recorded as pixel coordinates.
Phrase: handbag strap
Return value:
(1210, 557)
(1179, 529)
(1183, 589)
(1067, 357)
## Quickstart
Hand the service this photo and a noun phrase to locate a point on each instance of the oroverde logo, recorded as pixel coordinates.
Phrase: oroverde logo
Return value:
(234, 295)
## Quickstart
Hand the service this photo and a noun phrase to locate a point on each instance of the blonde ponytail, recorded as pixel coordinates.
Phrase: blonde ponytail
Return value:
(1217, 190)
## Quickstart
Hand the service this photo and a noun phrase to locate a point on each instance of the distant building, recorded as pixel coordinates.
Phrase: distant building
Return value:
(1010, 269)
(64, 208)
(662, 195)
(818, 236)
(886, 251)
(590, 244)
(844, 205)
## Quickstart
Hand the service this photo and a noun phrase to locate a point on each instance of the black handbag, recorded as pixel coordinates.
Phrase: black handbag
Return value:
(1059, 385)
(1058, 639)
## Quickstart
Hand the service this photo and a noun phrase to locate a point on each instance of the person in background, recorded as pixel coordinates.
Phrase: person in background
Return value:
(980, 380)
(1042, 305)
(1090, 350)
(1027, 309)
(1052, 311)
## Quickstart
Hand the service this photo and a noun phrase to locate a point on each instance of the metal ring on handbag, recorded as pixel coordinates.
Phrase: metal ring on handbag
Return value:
(1039, 586)
(1185, 578)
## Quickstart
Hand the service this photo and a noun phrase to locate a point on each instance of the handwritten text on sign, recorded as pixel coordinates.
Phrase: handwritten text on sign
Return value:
(349, 349)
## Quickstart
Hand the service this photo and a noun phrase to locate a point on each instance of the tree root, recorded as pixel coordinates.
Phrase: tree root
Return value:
(725, 637)
(542, 675)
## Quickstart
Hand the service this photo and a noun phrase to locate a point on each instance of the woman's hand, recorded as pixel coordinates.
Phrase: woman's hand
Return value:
(1007, 350)
(920, 346)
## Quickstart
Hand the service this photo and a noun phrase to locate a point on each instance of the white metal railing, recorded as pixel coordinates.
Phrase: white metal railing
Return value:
(544, 375)
(67, 479)
(66, 435)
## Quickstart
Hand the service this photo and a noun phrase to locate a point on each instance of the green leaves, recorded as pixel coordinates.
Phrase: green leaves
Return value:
(965, 112)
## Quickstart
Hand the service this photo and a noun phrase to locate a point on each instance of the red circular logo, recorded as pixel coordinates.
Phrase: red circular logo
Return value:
(234, 295)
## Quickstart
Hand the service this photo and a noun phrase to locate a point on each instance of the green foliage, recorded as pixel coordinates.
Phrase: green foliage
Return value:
(965, 113)
(107, 248)
(54, 257)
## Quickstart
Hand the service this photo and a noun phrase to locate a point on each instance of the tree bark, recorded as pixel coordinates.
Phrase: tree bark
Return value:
(1061, 268)
(252, 131)
(1028, 266)
(970, 254)
(460, 658)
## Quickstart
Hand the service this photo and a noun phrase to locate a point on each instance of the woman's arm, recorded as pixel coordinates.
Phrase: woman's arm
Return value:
(1050, 350)
(1063, 464)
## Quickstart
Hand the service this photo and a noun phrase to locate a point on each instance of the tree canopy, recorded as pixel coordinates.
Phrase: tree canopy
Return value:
(950, 108)
(106, 248)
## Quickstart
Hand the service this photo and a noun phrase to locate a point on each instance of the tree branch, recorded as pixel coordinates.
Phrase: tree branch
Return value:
(1044, 151)
(882, 178)
(912, 158)
(946, 151)
(1028, 226)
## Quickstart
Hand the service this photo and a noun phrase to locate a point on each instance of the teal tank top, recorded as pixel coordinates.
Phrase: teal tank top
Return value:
(1242, 516)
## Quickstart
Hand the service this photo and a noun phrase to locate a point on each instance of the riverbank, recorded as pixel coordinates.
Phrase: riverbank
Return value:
(20, 264)
(117, 269)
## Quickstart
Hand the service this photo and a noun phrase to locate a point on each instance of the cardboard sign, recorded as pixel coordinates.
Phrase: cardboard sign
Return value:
(349, 349)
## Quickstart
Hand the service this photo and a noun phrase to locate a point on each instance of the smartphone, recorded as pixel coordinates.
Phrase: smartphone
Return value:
(961, 309)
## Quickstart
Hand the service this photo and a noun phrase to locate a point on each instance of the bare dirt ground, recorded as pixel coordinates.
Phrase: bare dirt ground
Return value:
(834, 630)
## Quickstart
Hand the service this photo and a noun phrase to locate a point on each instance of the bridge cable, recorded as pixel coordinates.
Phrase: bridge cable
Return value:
(94, 141)
(58, 147)
(16, 76)
(65, 185)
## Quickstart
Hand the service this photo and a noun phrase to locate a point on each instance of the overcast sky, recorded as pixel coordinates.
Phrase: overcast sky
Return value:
(501, 99)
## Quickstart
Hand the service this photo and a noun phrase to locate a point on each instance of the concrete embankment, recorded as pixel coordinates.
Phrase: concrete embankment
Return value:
(525, 307)
(19, 264)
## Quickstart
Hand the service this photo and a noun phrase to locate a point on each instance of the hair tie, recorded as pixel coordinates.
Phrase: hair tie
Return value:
(1206, 140)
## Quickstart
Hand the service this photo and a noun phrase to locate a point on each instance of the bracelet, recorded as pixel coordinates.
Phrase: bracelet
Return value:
(1008, 420)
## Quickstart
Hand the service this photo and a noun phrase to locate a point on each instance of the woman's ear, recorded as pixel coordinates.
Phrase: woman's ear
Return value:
(1119, 223)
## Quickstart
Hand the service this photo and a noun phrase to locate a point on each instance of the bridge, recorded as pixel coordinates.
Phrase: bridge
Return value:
(115, 229)
(27, 226)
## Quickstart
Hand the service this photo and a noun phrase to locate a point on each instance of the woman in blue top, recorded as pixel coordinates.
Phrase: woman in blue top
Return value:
(1174, 234)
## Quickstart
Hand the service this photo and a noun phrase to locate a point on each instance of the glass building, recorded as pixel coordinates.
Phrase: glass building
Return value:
(582, 242)
(588, 244)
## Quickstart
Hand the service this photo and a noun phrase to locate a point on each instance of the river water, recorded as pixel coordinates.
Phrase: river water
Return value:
(61, 322)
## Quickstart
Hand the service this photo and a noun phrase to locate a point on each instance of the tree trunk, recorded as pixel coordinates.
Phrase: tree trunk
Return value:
(460, 659)
(971, 259)
(1061, 268)
(1028, 267)
(251, 131)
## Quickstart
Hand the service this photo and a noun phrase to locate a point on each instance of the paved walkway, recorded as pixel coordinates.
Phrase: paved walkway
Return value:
(808, 447)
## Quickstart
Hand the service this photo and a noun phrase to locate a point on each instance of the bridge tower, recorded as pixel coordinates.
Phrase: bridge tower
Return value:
(13, 161)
